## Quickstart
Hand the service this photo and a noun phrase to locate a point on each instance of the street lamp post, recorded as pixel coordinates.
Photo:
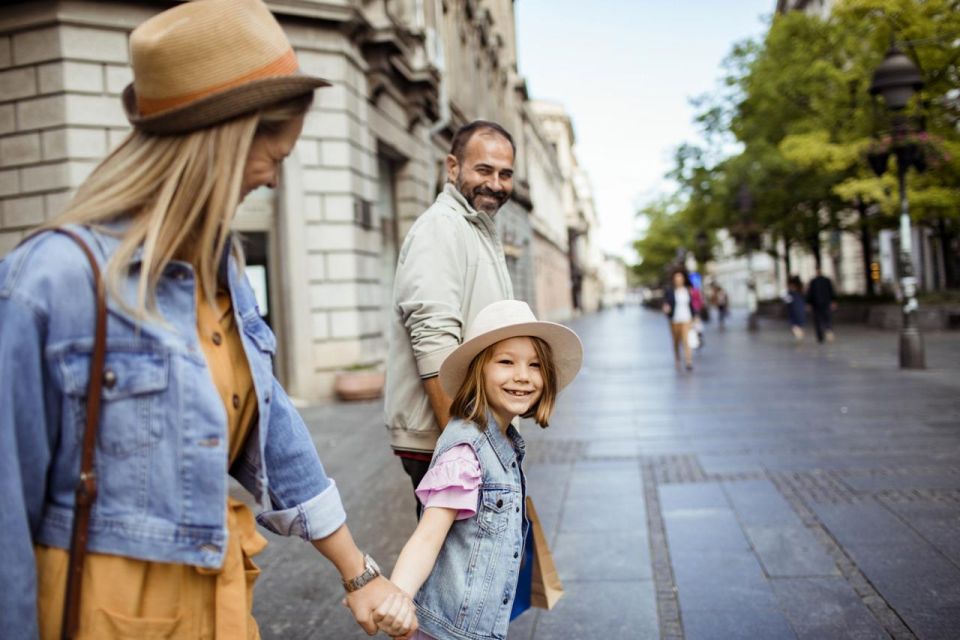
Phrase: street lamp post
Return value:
(897, 79)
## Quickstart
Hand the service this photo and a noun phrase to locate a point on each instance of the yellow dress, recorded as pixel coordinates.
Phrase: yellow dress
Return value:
(126, 598)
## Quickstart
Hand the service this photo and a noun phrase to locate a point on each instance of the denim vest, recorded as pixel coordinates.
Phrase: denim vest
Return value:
(161, 455)
(469, 594)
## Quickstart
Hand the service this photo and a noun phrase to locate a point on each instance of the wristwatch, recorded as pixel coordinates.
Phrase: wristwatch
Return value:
(370, 571)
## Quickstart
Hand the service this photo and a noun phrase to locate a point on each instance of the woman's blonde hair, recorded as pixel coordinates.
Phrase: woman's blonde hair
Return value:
(471, 404)
(178, 194)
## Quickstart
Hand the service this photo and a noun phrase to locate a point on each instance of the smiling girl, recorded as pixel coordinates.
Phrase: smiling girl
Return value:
(463, 560)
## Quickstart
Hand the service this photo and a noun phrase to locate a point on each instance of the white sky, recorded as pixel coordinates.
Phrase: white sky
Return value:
(625, 71)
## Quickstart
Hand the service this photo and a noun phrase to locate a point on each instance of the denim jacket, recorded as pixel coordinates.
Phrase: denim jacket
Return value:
(469, 594)
(161, 455)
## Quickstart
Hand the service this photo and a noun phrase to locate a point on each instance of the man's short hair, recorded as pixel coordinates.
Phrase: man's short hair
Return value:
(466, 132)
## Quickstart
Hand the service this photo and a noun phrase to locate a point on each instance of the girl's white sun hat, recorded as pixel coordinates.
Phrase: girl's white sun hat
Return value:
(511, 319)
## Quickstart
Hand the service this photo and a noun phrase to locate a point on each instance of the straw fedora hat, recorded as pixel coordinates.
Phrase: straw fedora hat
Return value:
(511, 319)
(206, 61)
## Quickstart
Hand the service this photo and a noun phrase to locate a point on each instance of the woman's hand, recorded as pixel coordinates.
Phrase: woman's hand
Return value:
(396, 616)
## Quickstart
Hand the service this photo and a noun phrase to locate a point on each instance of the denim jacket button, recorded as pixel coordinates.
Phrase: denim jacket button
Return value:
(516, 554)
(210, 442)
(499, 503)
(109, 379)
(513, 464)
(506, 600)
(210, 547)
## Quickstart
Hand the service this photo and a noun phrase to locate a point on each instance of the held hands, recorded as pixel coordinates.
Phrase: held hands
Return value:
(380, 598)
(397, 616)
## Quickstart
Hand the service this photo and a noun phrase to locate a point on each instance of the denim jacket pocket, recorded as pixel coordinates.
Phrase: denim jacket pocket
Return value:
(131, 412)
(258, 332)
(495, 506)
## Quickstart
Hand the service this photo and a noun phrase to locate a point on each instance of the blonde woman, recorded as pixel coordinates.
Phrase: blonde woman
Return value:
(188, 391)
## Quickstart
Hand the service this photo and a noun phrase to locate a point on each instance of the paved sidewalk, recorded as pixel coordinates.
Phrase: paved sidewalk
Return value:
(777, 491)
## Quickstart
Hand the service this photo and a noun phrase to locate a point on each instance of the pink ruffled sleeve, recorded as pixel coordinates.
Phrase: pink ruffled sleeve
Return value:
(453, 482)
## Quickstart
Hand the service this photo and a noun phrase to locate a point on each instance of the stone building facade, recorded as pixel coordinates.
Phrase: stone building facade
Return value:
(584, 254)
(322, 248)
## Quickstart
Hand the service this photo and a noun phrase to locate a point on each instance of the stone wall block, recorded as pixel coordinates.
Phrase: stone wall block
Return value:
(100, 111)
(6, 52)
(18, 83)
(336, 354)
(9, 182)
(338, 208)
(23, 212)
(334, 295)
(118, 77)
(326, 124)
(331, 237)
(335, 153)
(70, 76)
(45, 177)
(56, 203)
(328, 180)
(19, 150)
(313, 208)
(85, 43)
(320, 325)
(8, 118)
(38, 45)
(8, 241)
(330, 66)
(72, 142)
(308, 152)
(41, 113)
(317, 267)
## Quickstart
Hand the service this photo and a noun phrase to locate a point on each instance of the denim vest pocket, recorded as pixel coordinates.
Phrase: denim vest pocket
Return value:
(495, 506)
(259, 333)
(130, 415)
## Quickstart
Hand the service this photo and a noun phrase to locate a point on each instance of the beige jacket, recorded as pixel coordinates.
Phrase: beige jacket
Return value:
(451, 266)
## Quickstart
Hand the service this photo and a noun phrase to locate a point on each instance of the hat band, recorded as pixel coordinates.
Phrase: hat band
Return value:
(285, 65)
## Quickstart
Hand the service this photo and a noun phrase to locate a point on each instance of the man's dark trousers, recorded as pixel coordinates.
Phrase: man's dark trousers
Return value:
(822, 321)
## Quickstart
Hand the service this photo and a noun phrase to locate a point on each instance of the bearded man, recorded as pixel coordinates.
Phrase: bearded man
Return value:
(451, 266)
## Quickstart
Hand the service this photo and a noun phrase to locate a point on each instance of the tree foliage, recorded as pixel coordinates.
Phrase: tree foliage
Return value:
(797, 105)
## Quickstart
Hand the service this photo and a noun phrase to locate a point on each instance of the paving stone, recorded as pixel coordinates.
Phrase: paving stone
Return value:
(758, 502)
(868, 523)
(609, 610)
(703, 529)
(769, 624)
(790, 551)
(613, 513)
(826, 609)
(623, 555)
(684, 497)
(728, 580)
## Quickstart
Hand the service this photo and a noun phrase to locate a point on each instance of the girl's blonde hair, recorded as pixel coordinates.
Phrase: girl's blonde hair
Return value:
(179, 194)
(470, 403)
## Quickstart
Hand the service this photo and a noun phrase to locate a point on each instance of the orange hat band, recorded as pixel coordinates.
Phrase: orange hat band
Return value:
(285, 65)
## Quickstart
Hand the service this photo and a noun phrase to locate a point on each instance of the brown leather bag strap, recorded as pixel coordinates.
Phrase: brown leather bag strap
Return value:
(87, 486)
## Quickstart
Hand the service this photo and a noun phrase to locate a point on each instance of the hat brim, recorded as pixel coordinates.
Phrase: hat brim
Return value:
(222, 106)
(566, 346)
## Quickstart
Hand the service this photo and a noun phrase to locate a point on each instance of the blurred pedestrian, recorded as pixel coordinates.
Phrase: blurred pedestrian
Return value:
(678, 307)
(719, 300)
(451, 265)
(464, 554)
(822, 300)
(185, 373)
(796, 306)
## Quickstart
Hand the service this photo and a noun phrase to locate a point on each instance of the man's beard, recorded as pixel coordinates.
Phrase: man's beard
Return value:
(472, 197)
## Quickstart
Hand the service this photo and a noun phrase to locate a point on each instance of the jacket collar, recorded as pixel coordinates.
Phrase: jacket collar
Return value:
(507, 446)
(109, 235)
(459, 201)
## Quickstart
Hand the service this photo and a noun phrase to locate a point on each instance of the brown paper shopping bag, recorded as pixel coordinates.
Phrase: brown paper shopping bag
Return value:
(546, 588)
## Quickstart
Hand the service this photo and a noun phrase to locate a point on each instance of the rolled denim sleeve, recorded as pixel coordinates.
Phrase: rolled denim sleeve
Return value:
(306, 503)
(429, 291)
(25, 453)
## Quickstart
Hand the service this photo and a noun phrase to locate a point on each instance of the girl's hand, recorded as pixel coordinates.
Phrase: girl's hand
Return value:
(396, 616)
